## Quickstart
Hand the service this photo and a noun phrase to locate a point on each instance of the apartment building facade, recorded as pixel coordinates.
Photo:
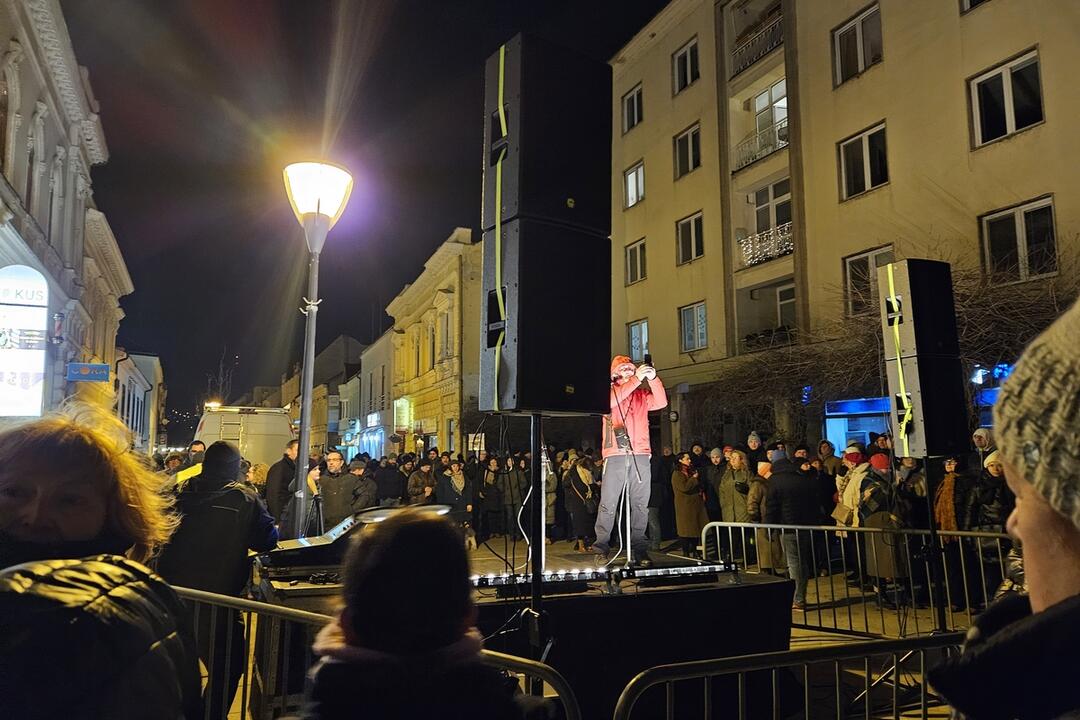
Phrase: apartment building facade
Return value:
(848, 134)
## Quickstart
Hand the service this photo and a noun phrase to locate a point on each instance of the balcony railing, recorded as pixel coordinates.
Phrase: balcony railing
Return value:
(758, 45)
(769, 245)
(761, 143)
(767, 339)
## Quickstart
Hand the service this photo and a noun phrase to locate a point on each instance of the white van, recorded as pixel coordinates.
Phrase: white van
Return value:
(260, 433)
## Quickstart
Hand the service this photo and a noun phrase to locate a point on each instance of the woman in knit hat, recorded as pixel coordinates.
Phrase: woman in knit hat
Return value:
(991, 504)
(1022, 657)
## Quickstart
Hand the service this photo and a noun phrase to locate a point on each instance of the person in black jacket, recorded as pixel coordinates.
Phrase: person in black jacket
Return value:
(221, 520)
(100, 637)
(278, 479)
(792, 499)
(405, 646)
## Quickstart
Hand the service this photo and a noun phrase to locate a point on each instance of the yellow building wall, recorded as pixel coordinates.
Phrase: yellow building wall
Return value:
(939, 186)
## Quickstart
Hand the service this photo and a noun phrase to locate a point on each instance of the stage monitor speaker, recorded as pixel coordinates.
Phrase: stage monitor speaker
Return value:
(550, 354)
(922, 363)
(920, 300)
(556, 147)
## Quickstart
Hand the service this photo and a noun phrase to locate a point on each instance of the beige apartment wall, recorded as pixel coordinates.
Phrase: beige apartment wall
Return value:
(939, 186)
(647, 59)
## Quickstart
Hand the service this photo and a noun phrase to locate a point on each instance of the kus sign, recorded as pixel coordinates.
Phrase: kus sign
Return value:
(24, 311)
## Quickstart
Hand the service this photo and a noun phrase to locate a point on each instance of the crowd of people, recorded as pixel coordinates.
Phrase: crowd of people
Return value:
(87, 630)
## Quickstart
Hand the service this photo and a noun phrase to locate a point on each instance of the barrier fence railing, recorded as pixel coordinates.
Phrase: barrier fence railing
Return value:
(257, 654)
(869, 580)
(885, 678)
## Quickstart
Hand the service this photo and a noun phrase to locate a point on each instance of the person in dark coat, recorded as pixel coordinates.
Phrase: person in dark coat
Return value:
(952, 512)
(365, 491)
(455, 489)
(755, 451)
(337, 487)
(390, 487)
(711, 475)
(581, 497)
(421, 486)
(792, 499)
(409, 609)
(220, 521)
(513, 485)
(991, 504)
(278, 479)
(689, 506)
(99, 637)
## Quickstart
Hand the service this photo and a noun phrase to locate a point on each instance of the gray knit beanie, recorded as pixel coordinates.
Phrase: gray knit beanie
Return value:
(1037, 415)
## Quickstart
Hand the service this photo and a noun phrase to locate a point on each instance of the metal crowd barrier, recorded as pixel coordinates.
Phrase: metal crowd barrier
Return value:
(884, 678)
(258, 654)
(874, 582)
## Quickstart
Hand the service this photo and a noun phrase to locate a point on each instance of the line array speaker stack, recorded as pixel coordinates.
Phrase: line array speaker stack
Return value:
(922, 359)
(546, 218)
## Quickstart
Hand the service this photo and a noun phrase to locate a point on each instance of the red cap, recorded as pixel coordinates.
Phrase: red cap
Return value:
(879, 461)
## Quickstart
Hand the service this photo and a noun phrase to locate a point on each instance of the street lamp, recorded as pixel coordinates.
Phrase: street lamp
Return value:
(318, 193)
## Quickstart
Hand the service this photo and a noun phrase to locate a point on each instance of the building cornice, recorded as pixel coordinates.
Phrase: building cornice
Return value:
(50, 31)
(404, 305)
(662, 23)
(101, 245)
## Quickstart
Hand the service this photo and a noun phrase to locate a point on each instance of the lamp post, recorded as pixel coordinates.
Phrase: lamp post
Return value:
(318, 193)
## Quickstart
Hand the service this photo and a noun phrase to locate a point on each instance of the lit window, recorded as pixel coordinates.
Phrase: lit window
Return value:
(1006, 99)
(635, 185)
(639, 340)
(692, 327)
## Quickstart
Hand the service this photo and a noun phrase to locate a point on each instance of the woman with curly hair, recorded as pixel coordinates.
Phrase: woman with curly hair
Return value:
(71, 486)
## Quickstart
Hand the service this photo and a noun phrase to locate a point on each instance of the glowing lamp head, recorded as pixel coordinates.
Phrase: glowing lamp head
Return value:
(318, 189)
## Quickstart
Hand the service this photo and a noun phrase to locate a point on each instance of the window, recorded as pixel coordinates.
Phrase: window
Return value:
(451, 445)
(639, 340)
(1020, 242)
(688, 151)
(431, 346)
(343, 408)
(382, 392)
(861, 274)
(686, 67)
(444, 333)
(857, 44)
(772, 205)
(785, 306)
(635, 184)
(1006, 99)
(863, 162)
(31, 167)
(692, 327)
(416, 354)
(4, 102)
(635, 262)
(966, 5)
(770, 108)
(633, 109)
(370, 392)
(690, 239)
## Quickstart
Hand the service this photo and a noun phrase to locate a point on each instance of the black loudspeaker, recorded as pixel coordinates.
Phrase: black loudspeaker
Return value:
(556, 148)
(922, 363)
(556, 288)
(547, 160)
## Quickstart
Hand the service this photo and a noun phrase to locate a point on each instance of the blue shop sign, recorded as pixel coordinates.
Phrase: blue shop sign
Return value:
(88, 372)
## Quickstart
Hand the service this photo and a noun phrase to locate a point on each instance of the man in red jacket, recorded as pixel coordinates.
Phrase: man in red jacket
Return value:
(634, 392)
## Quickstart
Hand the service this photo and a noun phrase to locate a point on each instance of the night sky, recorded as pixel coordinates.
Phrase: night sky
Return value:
(204, 101)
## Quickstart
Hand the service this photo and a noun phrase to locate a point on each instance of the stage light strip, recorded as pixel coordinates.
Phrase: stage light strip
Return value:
(900, 367)
(498, 225)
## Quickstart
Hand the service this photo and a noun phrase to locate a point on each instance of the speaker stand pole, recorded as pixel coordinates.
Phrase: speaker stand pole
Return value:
(936, 553)
(537, 619)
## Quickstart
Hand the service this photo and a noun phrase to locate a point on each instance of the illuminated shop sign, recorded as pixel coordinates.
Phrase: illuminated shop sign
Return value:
(24, 318)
